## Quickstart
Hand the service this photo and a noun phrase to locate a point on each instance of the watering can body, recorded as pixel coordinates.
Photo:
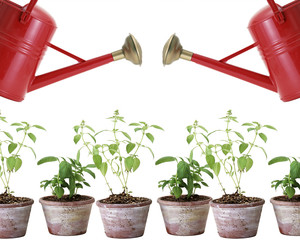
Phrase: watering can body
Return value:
(25, 34)
(22, 46)
(276, 34)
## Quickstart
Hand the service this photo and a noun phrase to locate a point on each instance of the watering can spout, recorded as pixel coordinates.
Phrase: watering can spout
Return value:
(173, 51)
(131, 51)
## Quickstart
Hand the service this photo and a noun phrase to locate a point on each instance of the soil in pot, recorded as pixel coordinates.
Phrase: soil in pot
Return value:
(67, 216)
(185, 216)
(287, 213)
(14, 215)
(123, 215)
(237, 216)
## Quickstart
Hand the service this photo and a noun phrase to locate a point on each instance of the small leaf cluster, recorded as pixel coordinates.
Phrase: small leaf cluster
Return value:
(11, 148)
(188, 176)
(227, 148)
(116, 150)
(70, 176)
(289, 183)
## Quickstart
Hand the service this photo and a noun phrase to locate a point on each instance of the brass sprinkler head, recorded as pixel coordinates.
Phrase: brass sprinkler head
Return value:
(131, 51)
(173, 51)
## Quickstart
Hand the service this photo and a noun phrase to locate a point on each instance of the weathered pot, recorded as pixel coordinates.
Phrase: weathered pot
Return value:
(124, 220)
(185, 218)
(237, 220)
(14, 219)
(288, 216)
(67, 218)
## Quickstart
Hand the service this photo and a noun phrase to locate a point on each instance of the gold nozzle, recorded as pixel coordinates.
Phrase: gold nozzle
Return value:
(131, 51)
(173, 51)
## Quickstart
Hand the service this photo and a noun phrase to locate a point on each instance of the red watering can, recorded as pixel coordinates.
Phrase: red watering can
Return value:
(276, 33)
(25, 33)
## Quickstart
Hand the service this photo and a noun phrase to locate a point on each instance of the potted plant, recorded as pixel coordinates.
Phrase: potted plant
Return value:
(123, 215)
(67, 214)
(287, 207)
(236, 215)
(184, 214)
(14, 211)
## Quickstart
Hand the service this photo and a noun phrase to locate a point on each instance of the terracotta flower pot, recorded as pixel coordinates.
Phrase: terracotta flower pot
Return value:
(185, 218)
(288, 216)
(14, 219)
(124, 220)
(67, 218)
(237, 220)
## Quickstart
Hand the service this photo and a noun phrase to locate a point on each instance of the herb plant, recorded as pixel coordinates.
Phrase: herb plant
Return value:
(231, 151)
(11, 148)
(118, 152)
(289, 182)
(70, 176)
(188, 176)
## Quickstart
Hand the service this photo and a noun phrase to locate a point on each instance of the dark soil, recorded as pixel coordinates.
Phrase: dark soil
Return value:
(66, 198)
(236, 198)
(295, 198)
(123, 198)
(10, 199)
(184, 198)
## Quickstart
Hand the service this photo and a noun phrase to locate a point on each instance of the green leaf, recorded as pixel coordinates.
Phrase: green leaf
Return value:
(136, 164)
(263, 137)
(197, 178)
(79, 178)
(243, 146)
(290, 191)
(209, 173)
(134, 124)
(210, 159)
(72, 186)
(11, 163)
(270, 127)
(113, 148)
(59, 192)
(190, 185)
(278, 159)
(165, 159)
(86, 184)
(76, 128)
(150, 137)
(217, 168)
(12, 147)
(33, 152)
(190, 138)
(242, 161)
(295, 169)
(189, 128)
(129, 147)
(97, 160)
(138, 129)
(19, 129)
(203, 128)
(89, 172)
(157, 127)
(92, 137)
(32, 137)
(177, 192)
(226, 148)
(47, 159)
(129, 163)
(126, 135)
(103, 168)
(39, 127)
(16, 124)
(90, 128)
(77, 138)
(239, 135)
(247, 124)
(65, 170)
(183, 170)
(8, 135)
(250, 129)
(249, 164)
(18, 164)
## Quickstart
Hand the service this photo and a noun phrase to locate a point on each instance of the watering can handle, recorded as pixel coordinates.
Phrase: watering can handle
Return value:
(26, 13)
(277, 11)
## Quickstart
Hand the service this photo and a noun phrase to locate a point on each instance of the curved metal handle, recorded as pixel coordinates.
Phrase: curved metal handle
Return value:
(277, 11)
(26, 13)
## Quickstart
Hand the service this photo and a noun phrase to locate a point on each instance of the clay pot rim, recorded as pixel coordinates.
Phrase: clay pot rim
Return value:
(243, 205)
(131, 205)
(192, 203)
(16, 205)
(284, 203)
(69, 204)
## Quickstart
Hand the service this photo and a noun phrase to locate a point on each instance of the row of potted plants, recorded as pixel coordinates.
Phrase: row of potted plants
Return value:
(123, 215)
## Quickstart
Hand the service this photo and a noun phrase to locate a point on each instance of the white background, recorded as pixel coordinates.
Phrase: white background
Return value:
(172, 96)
